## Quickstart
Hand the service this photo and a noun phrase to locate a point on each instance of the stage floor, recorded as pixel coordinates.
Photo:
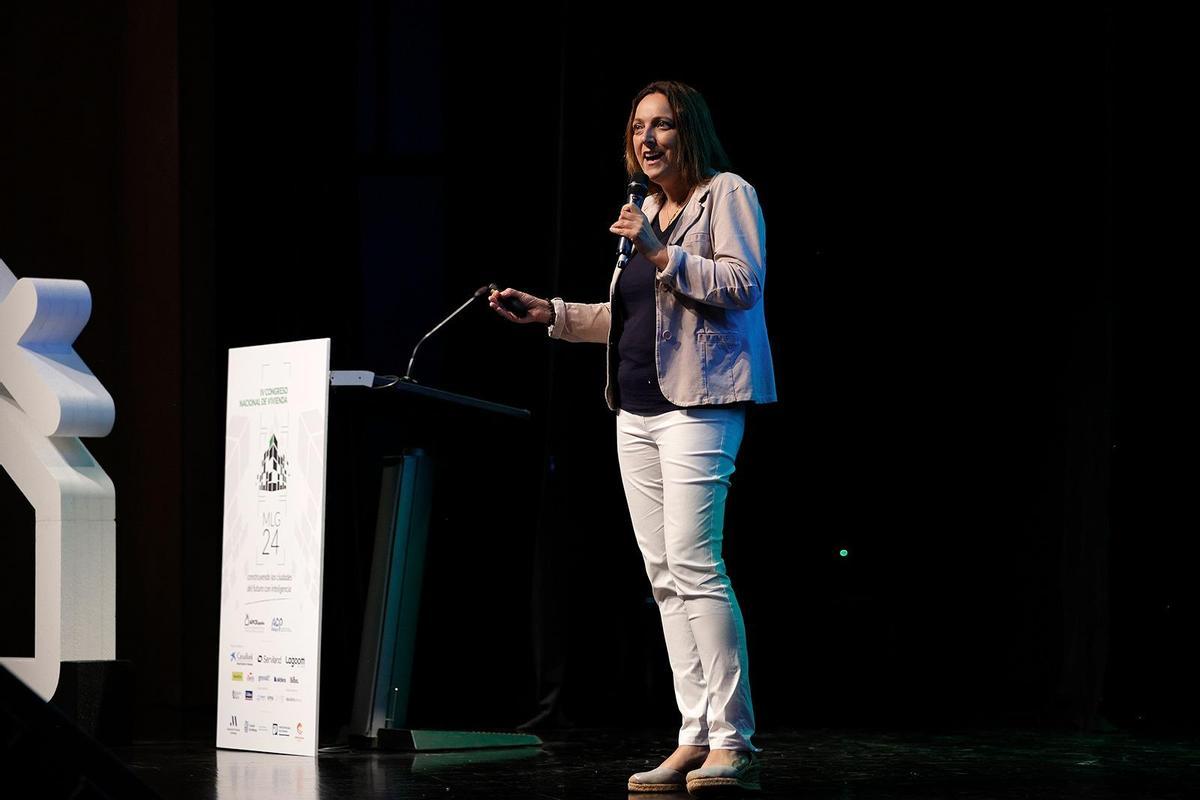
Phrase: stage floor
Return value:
(578, 764)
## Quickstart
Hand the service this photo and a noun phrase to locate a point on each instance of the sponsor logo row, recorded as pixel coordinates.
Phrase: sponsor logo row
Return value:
(246, 658)
(252, 695)
(253, 623)
(272, 728)
(242, 658)
(251, 677)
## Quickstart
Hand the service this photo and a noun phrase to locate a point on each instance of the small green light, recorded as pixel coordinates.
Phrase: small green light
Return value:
(843, 553)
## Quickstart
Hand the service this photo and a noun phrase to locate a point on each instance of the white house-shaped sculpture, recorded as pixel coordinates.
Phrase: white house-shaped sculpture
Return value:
(48, 399)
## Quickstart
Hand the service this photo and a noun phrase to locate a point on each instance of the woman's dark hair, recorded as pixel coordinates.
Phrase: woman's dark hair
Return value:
(700, 150)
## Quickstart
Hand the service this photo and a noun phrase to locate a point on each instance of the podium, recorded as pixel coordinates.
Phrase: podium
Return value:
(384, 681)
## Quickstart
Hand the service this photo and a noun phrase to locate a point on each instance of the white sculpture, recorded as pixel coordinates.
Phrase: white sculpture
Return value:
(48, 399)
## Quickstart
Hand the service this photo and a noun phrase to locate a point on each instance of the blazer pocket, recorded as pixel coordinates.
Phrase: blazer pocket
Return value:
(698, 243)
(724, 364)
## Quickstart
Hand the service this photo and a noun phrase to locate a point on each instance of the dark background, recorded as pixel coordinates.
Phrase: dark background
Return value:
(978, 358)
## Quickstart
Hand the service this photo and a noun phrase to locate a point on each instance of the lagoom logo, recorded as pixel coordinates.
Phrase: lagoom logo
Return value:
(294, 661)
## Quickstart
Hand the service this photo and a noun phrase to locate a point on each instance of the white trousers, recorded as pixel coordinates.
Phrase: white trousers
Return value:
(676, 468)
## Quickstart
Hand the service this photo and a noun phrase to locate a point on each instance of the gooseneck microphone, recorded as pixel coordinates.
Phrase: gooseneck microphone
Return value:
(637, 195)
(482, 291)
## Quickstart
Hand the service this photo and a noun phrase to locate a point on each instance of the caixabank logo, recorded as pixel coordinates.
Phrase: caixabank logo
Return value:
(274, 475)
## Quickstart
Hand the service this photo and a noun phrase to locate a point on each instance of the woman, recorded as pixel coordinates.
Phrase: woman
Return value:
(687, 352)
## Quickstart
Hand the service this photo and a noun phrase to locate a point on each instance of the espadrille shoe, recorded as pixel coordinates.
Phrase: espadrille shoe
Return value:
(741, 776)
(663, 779)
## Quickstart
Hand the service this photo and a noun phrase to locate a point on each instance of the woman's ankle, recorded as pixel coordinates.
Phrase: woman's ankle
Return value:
(686, 755)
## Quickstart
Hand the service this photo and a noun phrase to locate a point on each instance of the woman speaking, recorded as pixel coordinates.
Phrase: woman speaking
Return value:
(687, 352)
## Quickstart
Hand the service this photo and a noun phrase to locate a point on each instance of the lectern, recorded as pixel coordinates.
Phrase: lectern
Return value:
(382, 689)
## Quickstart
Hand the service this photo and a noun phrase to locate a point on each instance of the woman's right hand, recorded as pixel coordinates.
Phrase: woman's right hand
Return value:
(539, 309)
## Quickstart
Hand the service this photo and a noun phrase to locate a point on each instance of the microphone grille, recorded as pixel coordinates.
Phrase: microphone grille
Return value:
(639, 184)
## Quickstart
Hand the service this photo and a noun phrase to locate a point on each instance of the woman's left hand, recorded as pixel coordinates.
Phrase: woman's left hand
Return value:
(634, 226)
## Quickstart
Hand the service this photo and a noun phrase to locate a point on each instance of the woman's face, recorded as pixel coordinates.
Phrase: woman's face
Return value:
(655, 139)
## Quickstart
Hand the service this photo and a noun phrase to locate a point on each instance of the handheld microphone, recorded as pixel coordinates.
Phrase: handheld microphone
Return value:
(637, 195)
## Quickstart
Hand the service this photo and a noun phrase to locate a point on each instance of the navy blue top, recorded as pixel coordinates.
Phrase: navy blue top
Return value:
(634, 313)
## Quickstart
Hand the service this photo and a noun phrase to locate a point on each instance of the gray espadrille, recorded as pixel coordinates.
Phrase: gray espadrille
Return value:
(662, 779)
(742, 775)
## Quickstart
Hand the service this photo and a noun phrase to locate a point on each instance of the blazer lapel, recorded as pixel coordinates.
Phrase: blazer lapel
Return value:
(690, 214)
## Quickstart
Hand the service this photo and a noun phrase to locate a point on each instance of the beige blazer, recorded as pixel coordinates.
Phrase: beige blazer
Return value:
(711, 332)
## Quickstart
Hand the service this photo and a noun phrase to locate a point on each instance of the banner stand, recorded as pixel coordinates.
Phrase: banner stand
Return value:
(273, 548)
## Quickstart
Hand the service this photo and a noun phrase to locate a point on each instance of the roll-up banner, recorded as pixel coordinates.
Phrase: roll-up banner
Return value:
(275, 446)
